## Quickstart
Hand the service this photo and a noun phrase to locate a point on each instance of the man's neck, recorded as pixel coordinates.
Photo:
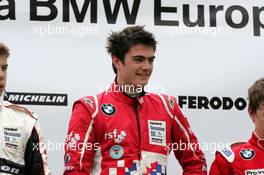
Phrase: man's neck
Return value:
(129, 89)
(259, 133)
(133, 94)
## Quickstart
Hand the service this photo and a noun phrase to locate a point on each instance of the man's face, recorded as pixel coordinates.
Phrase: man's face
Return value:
(137, 67)
(3, 73)
(258, 118)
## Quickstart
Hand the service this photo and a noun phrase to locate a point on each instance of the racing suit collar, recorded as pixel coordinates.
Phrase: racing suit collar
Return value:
(116, 91)
(256, 140)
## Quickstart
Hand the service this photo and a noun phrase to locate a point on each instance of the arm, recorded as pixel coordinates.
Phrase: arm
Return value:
(35, 154)
(77, 159)
(187, 149)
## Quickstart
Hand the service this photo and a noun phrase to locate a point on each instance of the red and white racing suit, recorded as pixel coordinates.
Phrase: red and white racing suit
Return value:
(240, 159)
(114, 134)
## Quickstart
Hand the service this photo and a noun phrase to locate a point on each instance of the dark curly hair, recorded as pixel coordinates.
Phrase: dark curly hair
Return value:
(4, 51)
(119, 43)
(256, 95)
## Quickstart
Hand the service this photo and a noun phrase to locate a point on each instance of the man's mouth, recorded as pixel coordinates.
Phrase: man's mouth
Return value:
(143, 75)
(2, 86)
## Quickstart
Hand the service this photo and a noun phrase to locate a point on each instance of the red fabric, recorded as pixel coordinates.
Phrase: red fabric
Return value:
(241, 165)
(106, 130)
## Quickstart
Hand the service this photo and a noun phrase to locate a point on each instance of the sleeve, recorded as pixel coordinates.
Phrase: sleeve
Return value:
(35, 154)
(220, 166)
(185, 145)
(80, 141)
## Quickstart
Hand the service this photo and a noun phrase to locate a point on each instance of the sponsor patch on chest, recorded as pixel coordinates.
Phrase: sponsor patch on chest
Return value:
(157, 132)
(255, 172)
(12, 137)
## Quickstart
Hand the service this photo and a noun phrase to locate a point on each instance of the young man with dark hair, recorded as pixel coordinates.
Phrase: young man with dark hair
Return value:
(245, 157)
(22, 150)
(125, 130)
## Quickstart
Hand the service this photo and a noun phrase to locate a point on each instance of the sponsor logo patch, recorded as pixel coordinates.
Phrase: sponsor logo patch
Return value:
(116, 152)
(37, 98)
(68, 168)
(12, 137)
(141, 100)
(227, 152)
(247, 154)
(157, 132)
(67, 158)
(9, 169)
(72, 139)
(171, 102)
(117, 136)
(254, 172)
(108, 109)
(88, 101)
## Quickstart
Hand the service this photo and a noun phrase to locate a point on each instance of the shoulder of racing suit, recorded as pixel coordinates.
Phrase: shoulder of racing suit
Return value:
(90, 103)
(20, 109)
(228, 151)
(169, 102)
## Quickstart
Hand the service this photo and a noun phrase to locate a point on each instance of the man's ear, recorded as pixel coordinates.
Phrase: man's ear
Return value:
(115, 61)
(252, 115)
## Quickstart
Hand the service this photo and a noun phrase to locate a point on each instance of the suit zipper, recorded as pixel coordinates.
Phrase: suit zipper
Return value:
(139, 133)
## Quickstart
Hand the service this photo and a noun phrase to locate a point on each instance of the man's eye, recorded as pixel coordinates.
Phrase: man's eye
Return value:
(4, 68)
(151, 60)
(138, 59)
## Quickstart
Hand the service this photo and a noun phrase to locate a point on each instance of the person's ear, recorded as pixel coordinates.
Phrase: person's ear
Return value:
(252, 115)
(115, 61)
